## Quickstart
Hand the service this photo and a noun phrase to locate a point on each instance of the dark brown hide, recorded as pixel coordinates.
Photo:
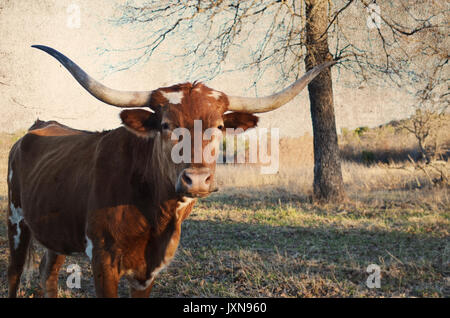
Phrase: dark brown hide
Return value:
(111, 194)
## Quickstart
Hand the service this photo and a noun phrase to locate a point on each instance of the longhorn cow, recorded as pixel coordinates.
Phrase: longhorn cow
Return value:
(117, 195)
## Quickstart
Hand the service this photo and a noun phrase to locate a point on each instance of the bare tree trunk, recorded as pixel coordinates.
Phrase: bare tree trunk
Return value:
(328, 184)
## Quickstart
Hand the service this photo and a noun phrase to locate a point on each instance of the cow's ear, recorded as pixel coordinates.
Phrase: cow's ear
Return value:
(237, 120)
(140, 122)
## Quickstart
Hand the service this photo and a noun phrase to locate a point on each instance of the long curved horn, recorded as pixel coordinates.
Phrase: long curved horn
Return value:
(268, 103)
(98, 90)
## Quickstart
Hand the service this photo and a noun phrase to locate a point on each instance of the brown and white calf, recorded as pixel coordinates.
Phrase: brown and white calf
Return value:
(117, 195)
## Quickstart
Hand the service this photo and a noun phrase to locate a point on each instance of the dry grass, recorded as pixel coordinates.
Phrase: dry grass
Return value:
(391, 142)
(260, 236)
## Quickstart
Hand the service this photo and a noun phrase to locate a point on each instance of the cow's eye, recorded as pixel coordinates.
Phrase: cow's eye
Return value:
(165, 126)
(220, 127)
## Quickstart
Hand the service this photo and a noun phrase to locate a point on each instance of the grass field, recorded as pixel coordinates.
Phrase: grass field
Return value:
(260, 236)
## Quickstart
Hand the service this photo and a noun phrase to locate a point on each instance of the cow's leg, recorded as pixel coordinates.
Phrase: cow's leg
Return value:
(48, 269)
(106, 274)
(141, 293)
(19, 240)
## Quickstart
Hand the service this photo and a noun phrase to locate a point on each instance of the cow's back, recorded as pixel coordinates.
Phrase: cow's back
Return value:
(50, 176)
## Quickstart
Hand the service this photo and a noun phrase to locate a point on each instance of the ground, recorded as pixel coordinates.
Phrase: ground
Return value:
(260, 236)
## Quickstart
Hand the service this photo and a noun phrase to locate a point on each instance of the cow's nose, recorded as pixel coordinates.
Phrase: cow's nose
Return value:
(194, 181)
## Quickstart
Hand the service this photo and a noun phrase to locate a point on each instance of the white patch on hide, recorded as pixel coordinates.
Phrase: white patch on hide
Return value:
(182, 204)
(15, 218)
(173, 97)
(215, 94)
(89, 247)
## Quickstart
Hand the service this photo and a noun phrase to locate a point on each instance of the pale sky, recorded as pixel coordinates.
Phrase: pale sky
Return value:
(36, 85)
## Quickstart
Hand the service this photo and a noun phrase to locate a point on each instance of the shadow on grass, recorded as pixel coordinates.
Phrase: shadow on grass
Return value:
(370, 156)
(316, 242)
(410, 263)
(264, 197)
(281, 257)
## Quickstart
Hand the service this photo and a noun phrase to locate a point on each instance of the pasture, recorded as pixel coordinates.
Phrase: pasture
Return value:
(261, 235)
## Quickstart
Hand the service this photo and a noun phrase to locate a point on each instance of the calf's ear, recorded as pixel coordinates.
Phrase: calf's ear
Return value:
(140, 122)
(238, 120)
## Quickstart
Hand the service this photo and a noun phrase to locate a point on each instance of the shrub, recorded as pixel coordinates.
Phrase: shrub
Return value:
(367, 156)
(361, 130)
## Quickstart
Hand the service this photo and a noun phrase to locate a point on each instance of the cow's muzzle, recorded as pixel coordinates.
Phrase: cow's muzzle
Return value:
(195, 182)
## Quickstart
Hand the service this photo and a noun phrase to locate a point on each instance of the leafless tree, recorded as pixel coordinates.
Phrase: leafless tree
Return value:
(384, 39)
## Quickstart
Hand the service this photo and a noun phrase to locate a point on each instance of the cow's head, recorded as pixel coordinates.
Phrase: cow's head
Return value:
(191, 108)
(192, 114)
